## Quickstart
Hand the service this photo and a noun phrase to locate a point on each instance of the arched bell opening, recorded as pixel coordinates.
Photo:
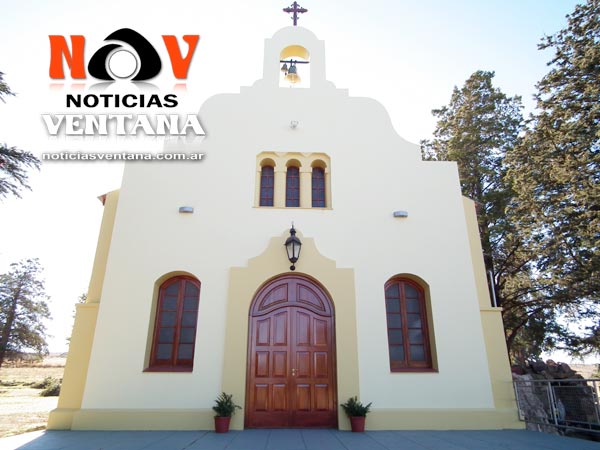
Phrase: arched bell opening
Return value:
(294, 66)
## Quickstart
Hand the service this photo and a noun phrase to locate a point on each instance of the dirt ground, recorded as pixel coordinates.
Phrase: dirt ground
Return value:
(21, 407)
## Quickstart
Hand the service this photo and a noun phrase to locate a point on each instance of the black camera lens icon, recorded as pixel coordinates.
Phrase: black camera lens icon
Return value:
(137, 61)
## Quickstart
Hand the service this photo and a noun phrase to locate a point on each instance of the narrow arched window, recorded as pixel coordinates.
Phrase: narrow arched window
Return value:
(267, 184)
(292, 187)
(318, 187)
(408, 337)
(175, 326)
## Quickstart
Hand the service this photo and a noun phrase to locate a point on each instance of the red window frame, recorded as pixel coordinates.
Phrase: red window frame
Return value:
(318, 188)
(175, 325)
(267, 185)
(408, 332)
(292, 187)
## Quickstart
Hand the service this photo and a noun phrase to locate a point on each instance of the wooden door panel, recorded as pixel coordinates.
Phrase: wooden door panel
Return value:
(314, 401)
(320, 337)
(280, 397)
(321, 365)
(310, 297)
(261, 396)
(263, 332)
(322, 397)
(280, 364)
(262, 364)
(291, 365)
(277, 294)
(303, 402)
(302, 365)
(302, 331)
(280, 329)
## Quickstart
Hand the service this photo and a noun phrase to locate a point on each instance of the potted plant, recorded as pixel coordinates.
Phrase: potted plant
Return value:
(357, 413)
(225, 408)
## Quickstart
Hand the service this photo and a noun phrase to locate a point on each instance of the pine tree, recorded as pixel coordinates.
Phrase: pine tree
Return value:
(4, 88)
(23, 309)
(476, 129)
(479, 127)
(555, 173)
(13, 162)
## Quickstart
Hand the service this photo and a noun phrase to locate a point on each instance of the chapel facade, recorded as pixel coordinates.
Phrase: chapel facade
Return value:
(192, 292)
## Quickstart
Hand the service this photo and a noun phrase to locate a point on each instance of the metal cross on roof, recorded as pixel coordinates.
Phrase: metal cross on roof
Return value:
(295, 8)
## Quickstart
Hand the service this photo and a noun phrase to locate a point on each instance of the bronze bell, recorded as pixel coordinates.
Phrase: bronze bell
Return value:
(292, 75)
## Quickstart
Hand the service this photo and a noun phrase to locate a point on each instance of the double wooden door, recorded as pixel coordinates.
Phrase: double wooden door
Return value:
(291, 357)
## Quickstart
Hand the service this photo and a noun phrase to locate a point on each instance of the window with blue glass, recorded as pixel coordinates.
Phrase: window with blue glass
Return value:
(318, 187)
(292, 187)
(408, 337)
(267, 186)
(175, 326)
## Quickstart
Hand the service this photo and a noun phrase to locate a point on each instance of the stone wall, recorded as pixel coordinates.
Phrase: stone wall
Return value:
(551, 394)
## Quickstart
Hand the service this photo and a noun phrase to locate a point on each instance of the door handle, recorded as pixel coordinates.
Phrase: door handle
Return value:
(293, 372)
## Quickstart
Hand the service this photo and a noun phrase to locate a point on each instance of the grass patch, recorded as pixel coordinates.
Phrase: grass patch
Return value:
(22, 409)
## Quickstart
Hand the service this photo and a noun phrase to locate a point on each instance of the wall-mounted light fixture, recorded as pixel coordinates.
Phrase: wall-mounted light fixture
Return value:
(186, 209)
(292, 247)
(400, 213)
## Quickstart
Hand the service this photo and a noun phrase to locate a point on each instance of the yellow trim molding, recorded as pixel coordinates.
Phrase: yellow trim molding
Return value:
(76, 368)
(442, 419)
(82, 336)
(110, 202)
(243, 285)
(143, 419)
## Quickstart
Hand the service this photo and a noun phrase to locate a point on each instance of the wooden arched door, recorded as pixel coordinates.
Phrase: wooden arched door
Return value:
(291, 379)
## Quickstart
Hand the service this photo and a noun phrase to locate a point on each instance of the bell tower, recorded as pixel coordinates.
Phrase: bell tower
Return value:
(294, 57)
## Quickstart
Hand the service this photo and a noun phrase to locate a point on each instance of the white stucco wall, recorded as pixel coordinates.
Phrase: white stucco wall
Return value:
(373, 173)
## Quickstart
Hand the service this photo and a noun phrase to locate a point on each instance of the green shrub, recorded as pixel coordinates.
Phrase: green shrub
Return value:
(354, 408)
(43, 384)
(52, 390)
(225, 407)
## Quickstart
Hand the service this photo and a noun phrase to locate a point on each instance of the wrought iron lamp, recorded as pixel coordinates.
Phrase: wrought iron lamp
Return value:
(292, 247)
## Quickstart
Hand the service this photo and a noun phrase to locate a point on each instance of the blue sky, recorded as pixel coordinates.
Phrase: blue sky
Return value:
(407, 55)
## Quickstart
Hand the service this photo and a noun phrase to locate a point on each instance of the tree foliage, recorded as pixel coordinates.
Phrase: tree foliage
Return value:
(477, 129)
(23, 309)
(13, 162)
(4, 88)
(555, 173)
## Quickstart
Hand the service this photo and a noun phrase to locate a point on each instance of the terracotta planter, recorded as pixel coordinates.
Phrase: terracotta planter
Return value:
(222, 424)
(357, 424)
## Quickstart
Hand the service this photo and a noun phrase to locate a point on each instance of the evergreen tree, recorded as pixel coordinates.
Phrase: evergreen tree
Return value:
(479, 127)
(23, 309)
(4, 88)
(13, 162)
(476, 129)
(555, 173)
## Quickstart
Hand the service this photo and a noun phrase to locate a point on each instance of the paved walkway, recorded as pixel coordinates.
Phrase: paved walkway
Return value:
(294, 440)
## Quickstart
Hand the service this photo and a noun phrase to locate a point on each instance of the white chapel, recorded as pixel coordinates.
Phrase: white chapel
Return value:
(192, 291)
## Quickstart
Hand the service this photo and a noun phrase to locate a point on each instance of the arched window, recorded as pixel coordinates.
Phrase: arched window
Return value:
(292, 186)
(318, 187)
(175, 327)
(408, 337)
(267, 184)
